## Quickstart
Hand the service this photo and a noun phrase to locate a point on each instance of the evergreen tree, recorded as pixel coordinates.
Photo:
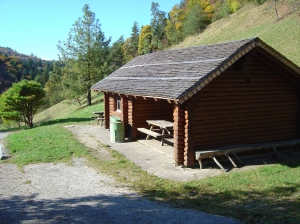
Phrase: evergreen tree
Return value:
(21, 101)
(134, 39)
(158, 24)
(116, 56)
(85, 55)
(196, 20)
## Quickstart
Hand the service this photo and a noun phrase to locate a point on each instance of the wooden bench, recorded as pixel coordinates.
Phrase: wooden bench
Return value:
(225, 151)
(148, 132)
(99, 120)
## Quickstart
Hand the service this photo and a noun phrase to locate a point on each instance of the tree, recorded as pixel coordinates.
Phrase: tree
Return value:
(54, 87)
(174, 26)
(134, 39)
(116, 56)
(85, 54)
(196, 20)
(130, 46)
(145, 40)
(21, 101)
(158, 24)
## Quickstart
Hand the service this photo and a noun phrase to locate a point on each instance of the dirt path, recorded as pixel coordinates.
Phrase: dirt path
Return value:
(54, 193)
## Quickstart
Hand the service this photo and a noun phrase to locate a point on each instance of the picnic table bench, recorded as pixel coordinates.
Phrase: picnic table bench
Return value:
(99, 118)
(226, 151)
(158, 125)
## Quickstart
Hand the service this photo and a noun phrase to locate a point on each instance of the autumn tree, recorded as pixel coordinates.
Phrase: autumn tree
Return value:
(21, 101)
(145, 40)
(174, 27)
(85, 55)
(199, 13)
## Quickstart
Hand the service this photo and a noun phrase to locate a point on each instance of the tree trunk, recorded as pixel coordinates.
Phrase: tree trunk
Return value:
(30, 123)
(89, 98)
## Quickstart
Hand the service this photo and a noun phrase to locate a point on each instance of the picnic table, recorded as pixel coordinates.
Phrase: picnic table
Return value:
(158, 128)
(99, 118)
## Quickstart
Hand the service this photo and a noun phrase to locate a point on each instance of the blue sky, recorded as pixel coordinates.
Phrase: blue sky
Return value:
(36, 26)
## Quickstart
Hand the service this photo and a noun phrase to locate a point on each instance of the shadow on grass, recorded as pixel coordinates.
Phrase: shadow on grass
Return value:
(12, 129)
(65, 120)
(97, 209)
(276, 205)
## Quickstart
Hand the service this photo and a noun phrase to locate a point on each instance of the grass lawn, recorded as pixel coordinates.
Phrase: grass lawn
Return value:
(270, 194)
(255, 21)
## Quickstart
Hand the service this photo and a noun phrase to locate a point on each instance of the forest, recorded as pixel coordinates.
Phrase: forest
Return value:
(88, 56)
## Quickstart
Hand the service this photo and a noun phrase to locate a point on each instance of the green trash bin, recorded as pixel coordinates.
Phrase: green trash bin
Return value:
(116, 128)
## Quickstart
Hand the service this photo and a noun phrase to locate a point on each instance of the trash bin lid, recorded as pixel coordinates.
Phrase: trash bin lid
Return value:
(114, 119)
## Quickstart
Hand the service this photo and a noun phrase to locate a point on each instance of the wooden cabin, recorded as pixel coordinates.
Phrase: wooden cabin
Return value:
(233, 93)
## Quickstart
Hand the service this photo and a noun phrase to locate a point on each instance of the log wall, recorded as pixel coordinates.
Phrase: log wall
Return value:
(257, 104)
(140, 110)
(179, 134)
(106, 110)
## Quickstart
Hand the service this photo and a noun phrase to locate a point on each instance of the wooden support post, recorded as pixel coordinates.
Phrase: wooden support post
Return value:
(219, 164)
(162, 137)
(231, 160)
(238, 158)
(274, 147)
(200, 163)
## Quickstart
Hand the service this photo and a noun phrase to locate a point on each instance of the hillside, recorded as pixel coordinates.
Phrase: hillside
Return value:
(15, 66)
(251, 21)
(10, 52)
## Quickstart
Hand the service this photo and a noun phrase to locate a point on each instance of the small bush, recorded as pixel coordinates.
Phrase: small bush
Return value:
(234, 5)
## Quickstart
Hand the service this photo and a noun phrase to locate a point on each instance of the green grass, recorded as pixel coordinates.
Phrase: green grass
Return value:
(252, 21)
(270, 194)
(50, 143)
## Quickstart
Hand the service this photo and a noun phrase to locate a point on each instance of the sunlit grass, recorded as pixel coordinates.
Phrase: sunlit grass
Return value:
(270, 194)
(51, 143)
(255, 21)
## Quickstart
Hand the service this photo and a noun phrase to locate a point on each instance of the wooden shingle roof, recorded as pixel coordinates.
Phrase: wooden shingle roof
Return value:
(179, 74)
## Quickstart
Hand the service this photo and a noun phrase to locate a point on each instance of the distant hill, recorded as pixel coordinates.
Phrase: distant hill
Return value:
(15, 66)
(10, 52)
(256, 21)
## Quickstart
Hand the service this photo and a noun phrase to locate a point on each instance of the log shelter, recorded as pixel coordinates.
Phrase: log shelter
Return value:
(235, 93)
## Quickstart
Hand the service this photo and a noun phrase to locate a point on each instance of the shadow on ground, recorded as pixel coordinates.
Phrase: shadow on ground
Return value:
(66, 120)
(97, 209)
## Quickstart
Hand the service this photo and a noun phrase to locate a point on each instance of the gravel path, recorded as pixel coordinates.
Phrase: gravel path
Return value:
(57, 193)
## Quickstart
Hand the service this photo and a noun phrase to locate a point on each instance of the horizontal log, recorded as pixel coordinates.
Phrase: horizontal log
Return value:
(208, 145)
(253, 79)
(253, 100)
(212, 95)
(232, 109)
(242, 106)
(246, 117)
(246, 139)
(243, 136)
(226, 129)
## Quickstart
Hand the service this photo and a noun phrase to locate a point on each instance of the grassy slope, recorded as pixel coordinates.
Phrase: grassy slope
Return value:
(253, 21)
(266, 195)
(68, 110)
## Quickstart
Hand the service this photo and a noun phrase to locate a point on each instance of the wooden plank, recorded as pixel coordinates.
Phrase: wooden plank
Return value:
(148, 132)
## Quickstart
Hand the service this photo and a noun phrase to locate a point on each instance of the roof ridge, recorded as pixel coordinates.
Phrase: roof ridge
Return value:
(214, 44)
